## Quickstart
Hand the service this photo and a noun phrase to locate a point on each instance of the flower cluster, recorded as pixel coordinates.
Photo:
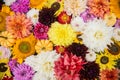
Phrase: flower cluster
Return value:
(59, 40)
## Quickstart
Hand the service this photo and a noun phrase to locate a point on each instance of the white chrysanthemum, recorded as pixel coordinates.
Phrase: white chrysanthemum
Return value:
(91, 56)
(33, 14)
(97, 35)
(116, 34)
(75, 7)
(78, 24)
(9, 2)
(43, 63)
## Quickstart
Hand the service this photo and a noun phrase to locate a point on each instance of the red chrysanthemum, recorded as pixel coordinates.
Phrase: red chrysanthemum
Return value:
(67, 67)
(63, 18)
(7, 78)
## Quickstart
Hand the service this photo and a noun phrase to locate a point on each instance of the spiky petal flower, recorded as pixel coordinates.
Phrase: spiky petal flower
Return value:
(40, 31)
(21, 6)
(67, 67)
(19, 25)
(23, 72)
(90, 72)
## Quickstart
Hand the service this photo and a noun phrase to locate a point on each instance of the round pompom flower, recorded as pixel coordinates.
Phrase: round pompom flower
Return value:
(40, 31)
(67, 67)
(23, 72)
(21, 6)
(19, 25)
(62, 35)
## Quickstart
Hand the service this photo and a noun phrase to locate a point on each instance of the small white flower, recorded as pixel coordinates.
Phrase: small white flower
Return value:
(33, 14)
(116, 34)
(9, 2)
(91, 56)
(78, 24)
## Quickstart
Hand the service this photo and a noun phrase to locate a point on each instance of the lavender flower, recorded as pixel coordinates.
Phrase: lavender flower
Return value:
(12, 63)
(87, 16)
(21, 6)
(117, 24)
(23, 72)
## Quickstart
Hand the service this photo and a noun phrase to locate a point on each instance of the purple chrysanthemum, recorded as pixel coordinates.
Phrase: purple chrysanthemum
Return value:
(117, 24)
(21, 6)
(23, 72)
(12, 63)
(87, 16)
(40, 31)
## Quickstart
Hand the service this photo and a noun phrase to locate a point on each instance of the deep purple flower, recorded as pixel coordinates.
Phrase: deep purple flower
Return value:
(87, 16)
(23, 72)
(117, 24)
(40, 31)
(21, 6)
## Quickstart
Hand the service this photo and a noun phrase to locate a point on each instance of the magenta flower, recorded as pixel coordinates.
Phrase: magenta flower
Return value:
(23, 72)
(21, 6)
(117, 24)
(40, 31)
(87, 16)
(12, 64)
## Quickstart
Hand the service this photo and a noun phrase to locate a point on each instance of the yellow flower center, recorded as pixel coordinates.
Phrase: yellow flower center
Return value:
(47, 66)
(25, 47)
(35, 16)
(1, 19)
(3, 67)
(98, 35)
(104, 60)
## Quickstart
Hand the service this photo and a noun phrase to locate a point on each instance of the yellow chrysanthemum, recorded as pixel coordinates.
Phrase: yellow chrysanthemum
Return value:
(4, 68)
(56, 4)
(43, 45)
(37, 4)
(110, 19)
(24, 48)
(105, 61)
(61, 34)
(7, 10)
(6, 39)
(115, 7)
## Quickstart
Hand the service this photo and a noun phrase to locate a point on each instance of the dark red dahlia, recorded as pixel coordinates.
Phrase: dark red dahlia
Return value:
(1, 3)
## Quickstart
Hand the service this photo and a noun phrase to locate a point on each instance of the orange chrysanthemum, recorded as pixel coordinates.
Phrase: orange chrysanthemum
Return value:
(98, 7)
(19, 25)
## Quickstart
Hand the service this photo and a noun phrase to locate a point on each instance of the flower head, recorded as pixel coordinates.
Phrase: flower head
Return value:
(23, 72)
(64, 39)
(90, 72)
(98, 7)
(19, 25)
(67, 67)
(12, 64)
(40, 31)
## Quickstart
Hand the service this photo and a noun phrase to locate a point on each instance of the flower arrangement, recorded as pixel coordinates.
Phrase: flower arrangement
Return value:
(59, 40)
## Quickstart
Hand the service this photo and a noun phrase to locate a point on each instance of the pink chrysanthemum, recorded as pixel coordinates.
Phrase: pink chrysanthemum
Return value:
(21, 6)
(68, 66)
(19, 25)
(98, 7)
(40, 31)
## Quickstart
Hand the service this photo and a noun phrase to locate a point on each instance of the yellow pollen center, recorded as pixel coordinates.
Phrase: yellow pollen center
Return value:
(98, 35)
(47, 67)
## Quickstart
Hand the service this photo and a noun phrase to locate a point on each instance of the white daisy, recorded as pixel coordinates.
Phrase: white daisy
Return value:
(97, 35)
(78, 24)
(116, 34)
(91, 56)
(76, 7)
(43, 63)
(9, 2)
(33, 14)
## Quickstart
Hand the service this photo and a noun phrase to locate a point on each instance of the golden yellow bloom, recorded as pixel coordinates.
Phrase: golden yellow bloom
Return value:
(7, 10)
(105, 61)
(115, 7)
(61, 34)
(24, 48)
(37, 4)
(110, 19)
(43, 45)
(6, 39)
(4, 68)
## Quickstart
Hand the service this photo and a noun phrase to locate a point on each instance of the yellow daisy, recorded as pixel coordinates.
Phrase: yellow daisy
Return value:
(37, 4)
(61, 34)
(43, 45)
(105, 61)
(115, 7)
(24, 48)
(4, 68)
